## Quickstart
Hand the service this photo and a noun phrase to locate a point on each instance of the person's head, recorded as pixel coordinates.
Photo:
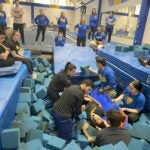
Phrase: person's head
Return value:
(8, 32)
(15, 35)
(100, 62)
(16, 2)
(83, 20)
(93, 11)
(60, 35)
(2, 36)
(86, 85)
(62, 14)
(135, 87)
(70, 69)
(41, 11)
(114, 118)
(96, 116)
(111, 13)
(100, 29)
(1, 6)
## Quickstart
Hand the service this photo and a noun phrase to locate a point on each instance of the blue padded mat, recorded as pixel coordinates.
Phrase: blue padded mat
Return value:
(10, 87)
(80, 56)
(10, 70)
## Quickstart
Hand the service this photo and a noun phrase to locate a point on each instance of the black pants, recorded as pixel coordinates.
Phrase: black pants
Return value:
(26, 61)
(62, 30)
(133, 117)
(53, 94)
(109, 32)
(81, 41)
(3, 27)
(92, 31)
(39, 30)
(19, 27)
(6, 63)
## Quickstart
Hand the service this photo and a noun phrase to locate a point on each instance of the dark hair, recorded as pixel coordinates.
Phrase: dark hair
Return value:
(69, 66)
(13, 33)
(115, 117)
(100, 60)
(2, 32)
(137, 85)
(88, 82)
(99, 111)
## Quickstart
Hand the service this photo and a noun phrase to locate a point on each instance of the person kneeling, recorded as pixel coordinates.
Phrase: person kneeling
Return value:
(5, 60)
(59, 40)
(99, 39)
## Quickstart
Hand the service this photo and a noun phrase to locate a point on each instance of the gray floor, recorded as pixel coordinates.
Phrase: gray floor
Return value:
(30, 35)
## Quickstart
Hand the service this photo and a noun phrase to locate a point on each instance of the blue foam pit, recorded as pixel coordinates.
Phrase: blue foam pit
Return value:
(21, 116)
(107, 147)
(25, 90)
(48, 70)
(88, 148)
(72, 146)
(146, 46)
(37, 119)
(24, 98)
(92, 131)
(41, 92)
(144, 117)
(120, 146)
(40, 79)
(41, 67)
(125, 49)
(138, 53)
(43, 102)
(34, 98)
(45, 74)
(34, 134)
(51, 124)
(37, 107)
(10, 138)
(45, 115)
(56, 143)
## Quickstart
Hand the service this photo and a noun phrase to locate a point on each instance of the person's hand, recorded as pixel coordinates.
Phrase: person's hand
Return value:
(87, 98)
(83, 107)
(101, 89)
(90, 139)
(123, 109)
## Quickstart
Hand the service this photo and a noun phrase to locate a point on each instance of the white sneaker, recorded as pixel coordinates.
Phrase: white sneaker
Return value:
(34, 76)
(35, 43)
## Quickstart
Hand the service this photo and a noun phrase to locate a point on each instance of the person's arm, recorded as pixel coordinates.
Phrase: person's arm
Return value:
(14, 54)
(58, 21)
(108, 87)
(93, 71)
(119, 98)
(5, 54)
(47, 20)
(85, 132)
(75, 28)
(136, 111)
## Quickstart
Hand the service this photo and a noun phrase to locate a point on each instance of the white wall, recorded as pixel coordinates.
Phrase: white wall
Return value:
(146, 37)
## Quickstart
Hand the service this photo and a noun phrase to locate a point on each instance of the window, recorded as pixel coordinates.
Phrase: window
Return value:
(42, 2)
(62, 2)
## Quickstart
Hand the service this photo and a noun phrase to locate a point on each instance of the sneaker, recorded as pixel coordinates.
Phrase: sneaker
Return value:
(35, 43)
(34, 76)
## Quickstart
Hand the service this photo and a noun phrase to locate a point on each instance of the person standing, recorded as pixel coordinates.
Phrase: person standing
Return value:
(2, 18)
(93, 24)
(17, 13)
(42, 21)
(62, 23)
(83, 28)
(110, 22)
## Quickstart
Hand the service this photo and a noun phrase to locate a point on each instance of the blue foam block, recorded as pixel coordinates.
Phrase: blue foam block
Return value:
(107, 147)
(72, 146)
(21, 116)
(56, 143)
(24, 98)
(41, 92)
(118, 48)
(92, 131)
(136, 144)
(144, 117)
(37, 107)
(45, 62)
(146, 46)
(43, 102)
(138, 53)
(51, 124)
(28, 82)
(48, 70)
(41, 67)
(35, 144)
(129, 127)
(25, 90)
(34, 134)
(45, 74)
(125, 49)
(37, 119)
(82, 140)
(40, 79)
(23, 107)
(34, 98)
(10, 138)
(120, 146)
(88, 148)
(144, 133)
(45, 115)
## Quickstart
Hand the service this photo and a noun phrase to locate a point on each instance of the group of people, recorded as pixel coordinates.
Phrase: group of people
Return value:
(76, 99)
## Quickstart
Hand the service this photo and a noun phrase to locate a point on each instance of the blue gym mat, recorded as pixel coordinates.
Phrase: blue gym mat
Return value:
(80, 56)
(10, 87)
